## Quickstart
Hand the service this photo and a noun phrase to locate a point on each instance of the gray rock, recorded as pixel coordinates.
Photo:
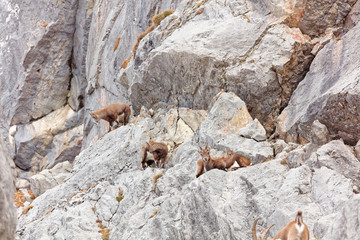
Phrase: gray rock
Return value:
(7, 190)
(319, 134)
(318, 15)
(346, 222)
(225, 119)
(338, 157)
(43, 46)
(79, 82)
(183, 62)
(54, 137)
(253, 130)
(50, 178)
(357, 150)
(322, 225)
(328, 183)
(353, 17)
(329, 93)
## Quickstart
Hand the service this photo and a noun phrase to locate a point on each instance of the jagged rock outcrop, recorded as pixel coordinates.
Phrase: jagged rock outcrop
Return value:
(35, 57)
(7, 190)
(116, 20)
(107, 184)
(56, 138)
(184, 61)
(329, 93)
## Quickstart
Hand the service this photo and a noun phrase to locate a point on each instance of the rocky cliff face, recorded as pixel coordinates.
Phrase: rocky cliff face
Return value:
(276, 81)
(7, 190)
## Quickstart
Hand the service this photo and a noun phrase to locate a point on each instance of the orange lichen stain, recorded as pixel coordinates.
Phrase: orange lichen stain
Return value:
(43, 24)
(126, 62)
(19, 199)
(200, 11)
(116, 44)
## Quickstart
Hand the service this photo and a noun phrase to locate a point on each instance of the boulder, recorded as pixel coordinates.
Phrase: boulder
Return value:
(53, 136)
(329, 93)
(345, 224)
(50, 178)
(226, 119)
(338, 157)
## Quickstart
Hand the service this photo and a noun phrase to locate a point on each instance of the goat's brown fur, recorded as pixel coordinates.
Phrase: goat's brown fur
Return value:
(241, 160)
(111, 113)
(158, 150)
(223, 163)
(295, 230)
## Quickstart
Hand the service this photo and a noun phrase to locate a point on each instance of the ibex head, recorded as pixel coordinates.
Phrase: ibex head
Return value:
(205, 154)
(295, 230)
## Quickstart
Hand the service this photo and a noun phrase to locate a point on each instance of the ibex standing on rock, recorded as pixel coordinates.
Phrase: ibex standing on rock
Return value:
(295, 230)
(159, 151)
(206, 163)
(111, 113)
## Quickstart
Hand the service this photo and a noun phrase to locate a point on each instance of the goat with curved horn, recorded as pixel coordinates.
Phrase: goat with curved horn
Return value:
(295, 230)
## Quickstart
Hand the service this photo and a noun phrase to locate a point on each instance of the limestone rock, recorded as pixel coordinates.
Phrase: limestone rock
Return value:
(346, 222)
(50, 178)
(183, 62)
(329, 93)
(35, 57)
(329, 183)
(318, 15)
(357, 150)
(82, 26)
(337, 156)
(225, 119)
(319, 134)
(353, 17)
(7, 190)
(51, 136)
(253, 130)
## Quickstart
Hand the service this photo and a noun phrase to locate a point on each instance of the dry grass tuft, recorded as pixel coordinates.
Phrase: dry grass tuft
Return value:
(105, 232)
(32, 196)
(283, 162)
(49, 211)
(120, 196)
(155, 212)
(158, 18)
(156, 21)
(156, 177)
(25, 211)
(140, 37)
